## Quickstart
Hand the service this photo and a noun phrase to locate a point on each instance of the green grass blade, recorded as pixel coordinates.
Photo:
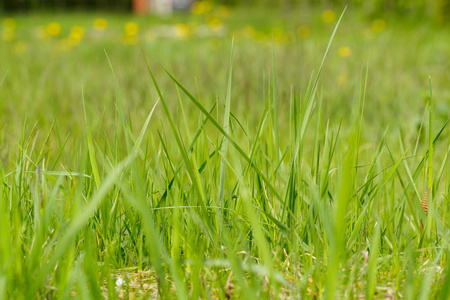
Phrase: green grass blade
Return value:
(226, 128)
(229, 138)
(91, 148)
(372, 266)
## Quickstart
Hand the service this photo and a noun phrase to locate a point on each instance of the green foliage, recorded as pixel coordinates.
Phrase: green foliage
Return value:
(222, 192)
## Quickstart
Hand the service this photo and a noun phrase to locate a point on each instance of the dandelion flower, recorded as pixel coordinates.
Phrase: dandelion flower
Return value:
(248, 32)
(303, 31)
(215, 24)
(328, 16)
(181, 30)
(223, 12)
(53, 29)
(131, 29)
(8, 35)
(201, 7)
(9, 23)
(345, 51)
(76, 33)
(100, 24)
(278, 34)
(131, 40)
(378, 25)
(341, 78)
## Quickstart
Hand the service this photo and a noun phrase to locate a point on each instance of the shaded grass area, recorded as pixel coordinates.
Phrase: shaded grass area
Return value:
(151, 181)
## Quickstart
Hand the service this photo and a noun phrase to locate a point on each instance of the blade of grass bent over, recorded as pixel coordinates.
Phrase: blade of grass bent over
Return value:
(192, 172)
(230, 139)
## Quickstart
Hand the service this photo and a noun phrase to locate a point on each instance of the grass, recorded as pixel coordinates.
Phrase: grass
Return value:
(145, 181)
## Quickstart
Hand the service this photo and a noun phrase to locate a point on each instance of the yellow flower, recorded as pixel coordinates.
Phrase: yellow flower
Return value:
(53, 29)
(131, 29)
(100, 24)
(278, 35)
(201, 7)
(345, 51)
(76, 33)
(8, 35)
(215, 24)
(9, 23)
(378, 25)
(328, 16)
(303, 31)
(131, 40)
(182, 30)
(342, 78)
(248, 32)
(223, 12)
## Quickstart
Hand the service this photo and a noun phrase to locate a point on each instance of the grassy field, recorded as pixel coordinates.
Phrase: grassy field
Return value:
(210, 154)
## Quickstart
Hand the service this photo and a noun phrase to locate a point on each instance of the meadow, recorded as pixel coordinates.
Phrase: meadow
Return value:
(218, 154)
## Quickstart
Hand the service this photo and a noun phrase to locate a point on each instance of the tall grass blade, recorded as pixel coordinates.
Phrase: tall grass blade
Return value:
(226, 128)
(90, 144)
(372, 266)
(229, 138)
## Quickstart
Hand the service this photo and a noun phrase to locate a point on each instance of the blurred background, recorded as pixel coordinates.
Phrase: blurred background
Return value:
(438, 9)
(51, 49)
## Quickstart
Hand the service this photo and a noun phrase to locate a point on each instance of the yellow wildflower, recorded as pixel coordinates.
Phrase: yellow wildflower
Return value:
(100, 24)
(345, 51)
(201, 7)
(131, 29)
(378, 25)
(328, 16)
(9, 23)
(248, 32)
(278, 35)
(131, 40)
(215, 24)
(181, 30)
(76, 33)
(8, 35)
(53, 29)
(223, 12)
(341, 78)
(303, 31)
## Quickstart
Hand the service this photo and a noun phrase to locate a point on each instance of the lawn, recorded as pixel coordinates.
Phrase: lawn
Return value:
(221, 154)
